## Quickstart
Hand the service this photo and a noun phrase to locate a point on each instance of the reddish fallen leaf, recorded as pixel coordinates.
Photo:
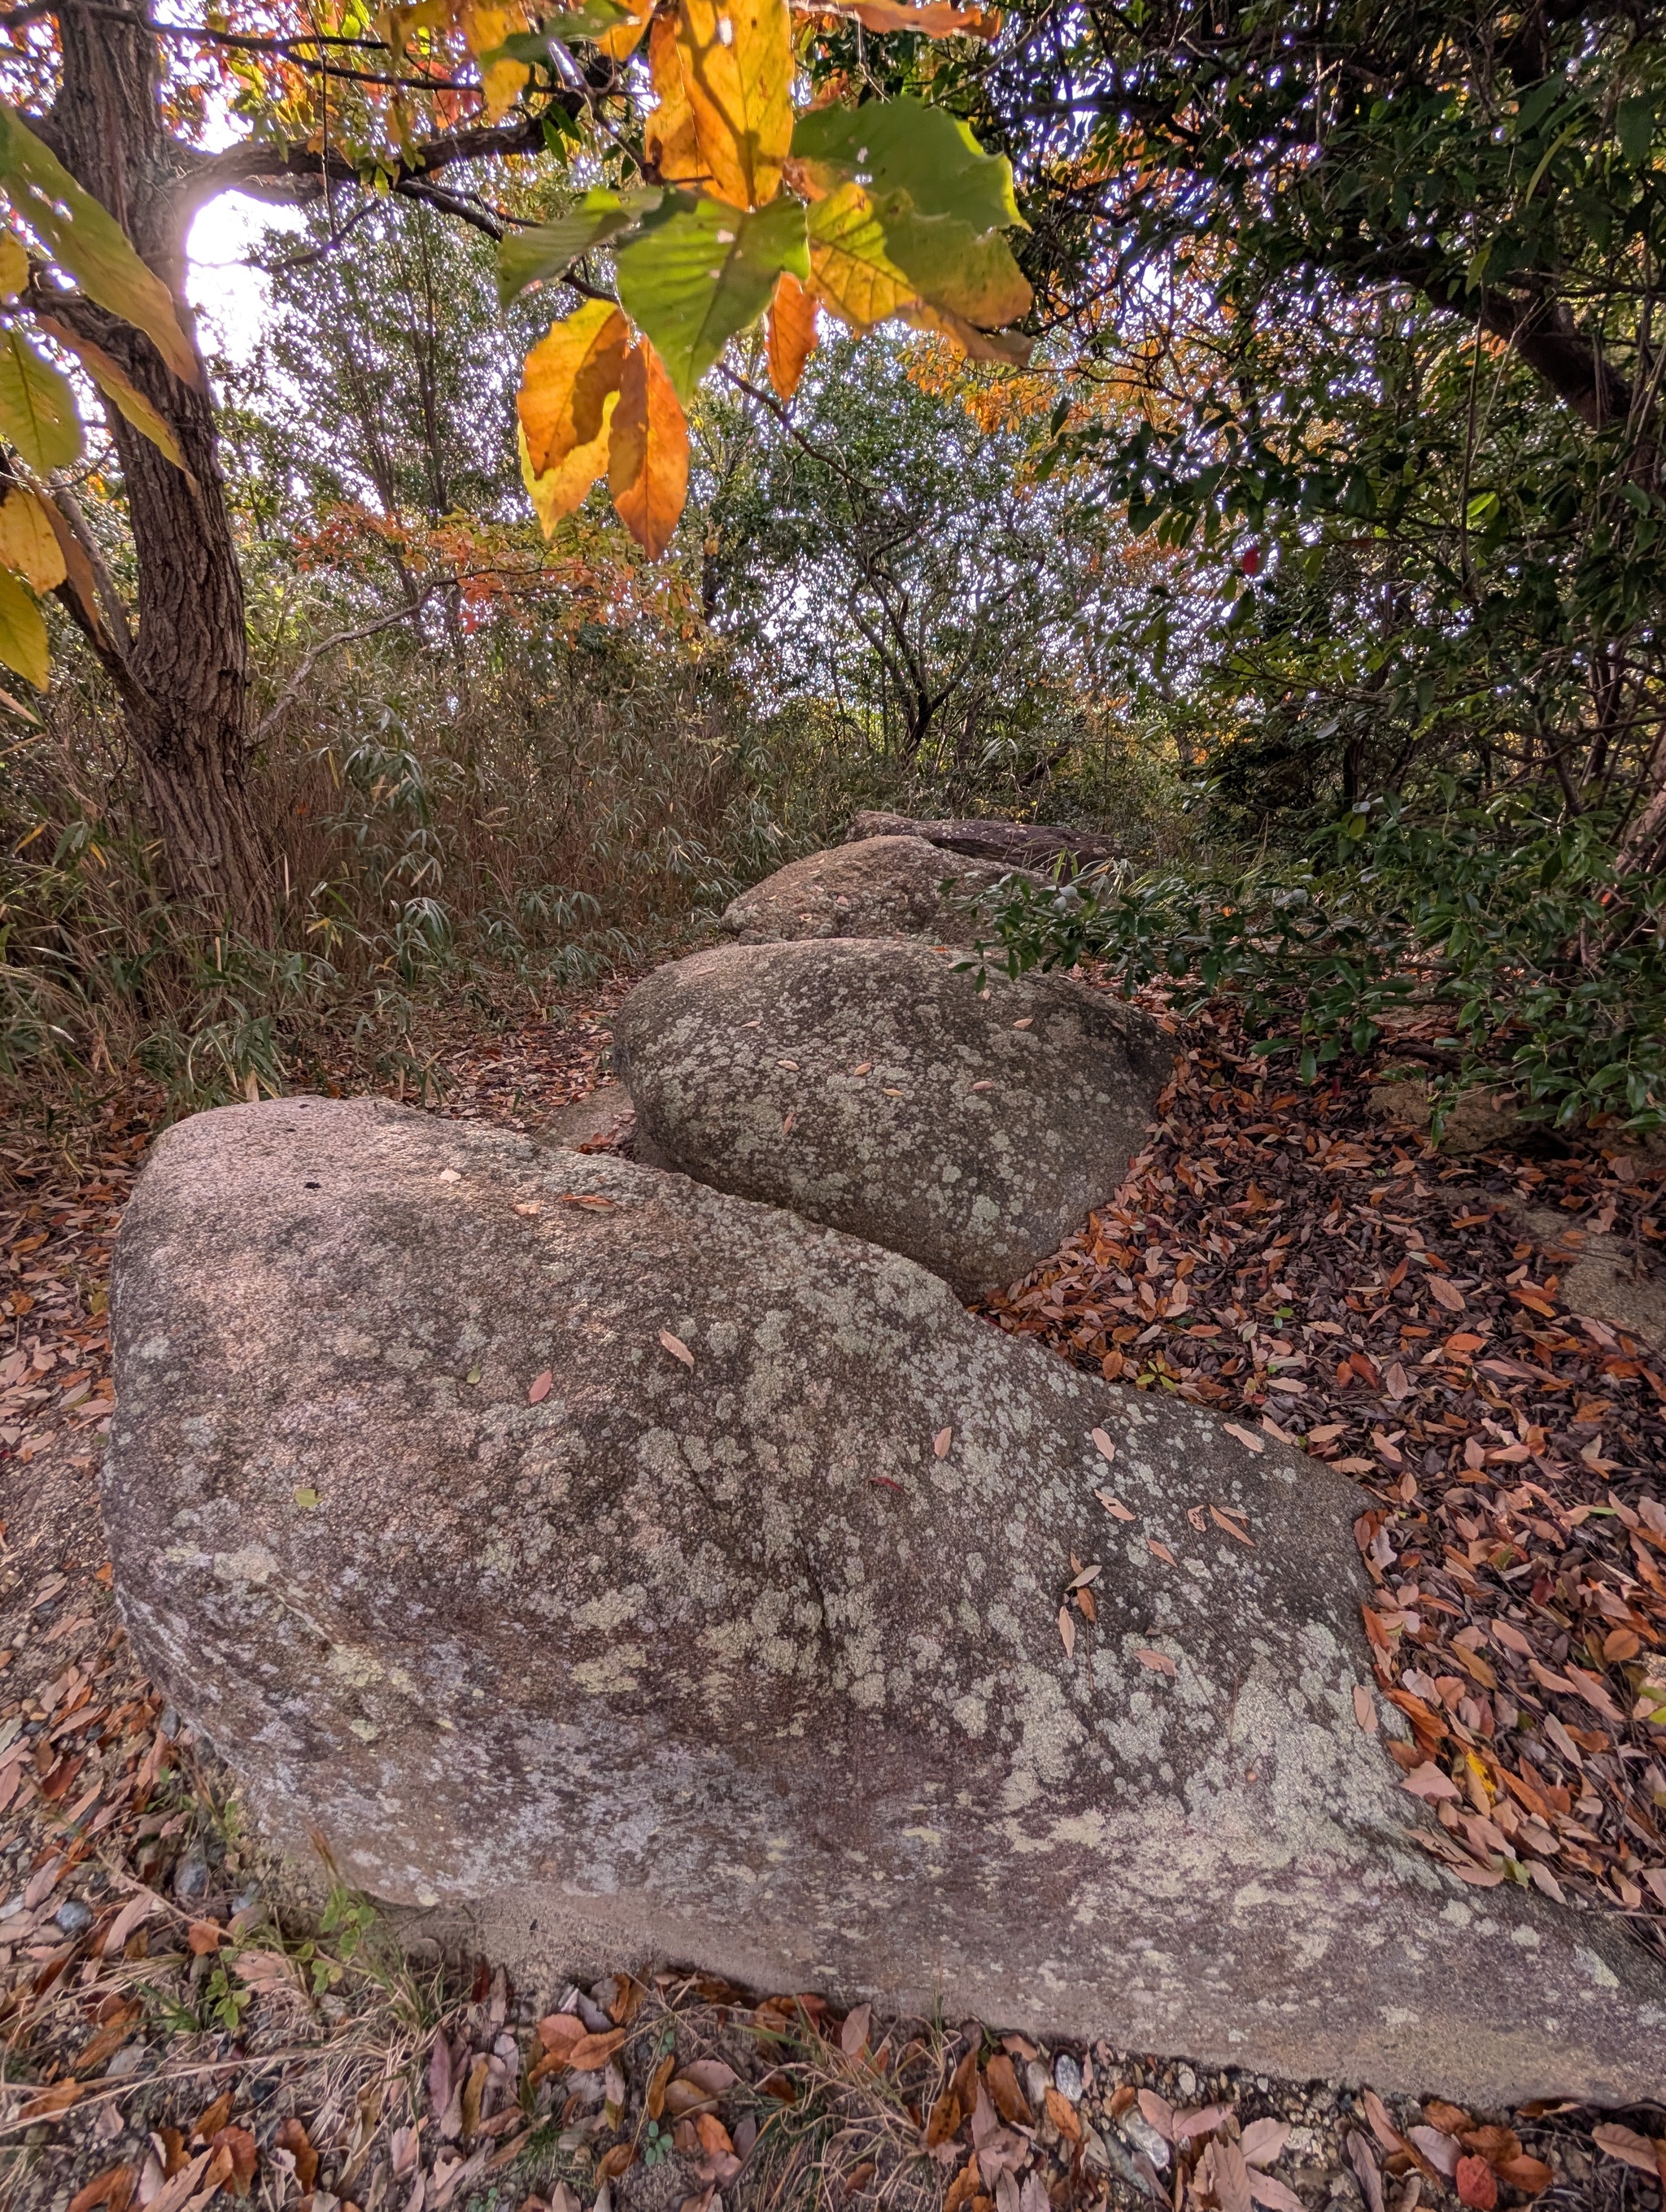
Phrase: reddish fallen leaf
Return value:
(1115, 1506)
(940, 1444)
(1161, 1552)
(540, 1387)
(618, 2160)
(1103, 1444)
(1477, 2184)
(678, 1349)
(1068, 1631)
(1247, 1438)
(203, 1936)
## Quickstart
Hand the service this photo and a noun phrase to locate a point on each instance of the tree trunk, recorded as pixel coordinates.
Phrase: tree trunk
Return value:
(183, 675)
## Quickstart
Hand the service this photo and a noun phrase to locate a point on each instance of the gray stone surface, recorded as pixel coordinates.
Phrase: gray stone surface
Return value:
(416, 1509)
(881, 887)
(1030, 844)
(872, 1085)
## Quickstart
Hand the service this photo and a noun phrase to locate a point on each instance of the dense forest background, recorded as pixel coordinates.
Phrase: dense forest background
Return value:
(1316, 554)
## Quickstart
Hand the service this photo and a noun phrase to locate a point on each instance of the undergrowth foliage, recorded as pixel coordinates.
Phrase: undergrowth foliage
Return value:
(1499, 941)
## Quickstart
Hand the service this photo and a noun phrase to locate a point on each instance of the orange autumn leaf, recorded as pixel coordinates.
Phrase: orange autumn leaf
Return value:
(565, 382)
(648, 465)
(933, 19)
(671, 147)
(792, 338)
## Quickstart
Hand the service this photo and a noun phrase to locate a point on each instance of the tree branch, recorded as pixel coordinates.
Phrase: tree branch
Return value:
(269, 721)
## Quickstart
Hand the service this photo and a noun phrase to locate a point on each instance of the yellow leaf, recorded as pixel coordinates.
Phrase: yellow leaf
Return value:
(28, 542)
(648, 466)
(22, 633)
(620, 42)
(670, 147)
(565, 382)
(486, 25)
(850, 266)
(13, 265)
(561, 490)
(114, 383)
(736, 58)
(792, 332)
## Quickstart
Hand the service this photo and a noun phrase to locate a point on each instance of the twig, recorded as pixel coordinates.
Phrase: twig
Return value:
(263, 728)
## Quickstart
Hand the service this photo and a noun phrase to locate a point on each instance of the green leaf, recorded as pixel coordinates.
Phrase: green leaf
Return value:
(905, 146)
(37, 407)
(692, 281)
(22, 632)
(1634, 127)
(951, 265)
(85, 240)
(549, 249)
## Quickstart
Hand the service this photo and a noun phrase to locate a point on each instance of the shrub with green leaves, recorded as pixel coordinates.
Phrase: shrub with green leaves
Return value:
(1500, 942)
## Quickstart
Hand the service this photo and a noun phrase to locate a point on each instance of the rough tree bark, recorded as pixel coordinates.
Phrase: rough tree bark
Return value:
(182, 674)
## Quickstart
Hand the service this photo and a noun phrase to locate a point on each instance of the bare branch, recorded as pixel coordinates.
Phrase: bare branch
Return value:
(270, 721)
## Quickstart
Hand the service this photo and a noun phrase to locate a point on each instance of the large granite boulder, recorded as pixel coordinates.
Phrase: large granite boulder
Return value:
(630, 1569)
(873, 1085)
(881, 887)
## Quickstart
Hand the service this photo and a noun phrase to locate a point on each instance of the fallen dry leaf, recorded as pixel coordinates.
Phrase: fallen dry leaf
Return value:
(540, 1387)
(1160, 1663)
(1476, 2183)
(1102, 1443)
(1428, 1782)
(592, 2052)
(1115, 1506)
(1005, 2092)
(51, 2102)
(678, 1349)
(1264, 2141)
(292, 2136)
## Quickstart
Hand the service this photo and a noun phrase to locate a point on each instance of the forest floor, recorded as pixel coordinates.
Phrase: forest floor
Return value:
(178, 2027)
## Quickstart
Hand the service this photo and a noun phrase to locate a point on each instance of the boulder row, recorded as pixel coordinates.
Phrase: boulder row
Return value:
(873, 1085)
(882, 887)
(631, 1571)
